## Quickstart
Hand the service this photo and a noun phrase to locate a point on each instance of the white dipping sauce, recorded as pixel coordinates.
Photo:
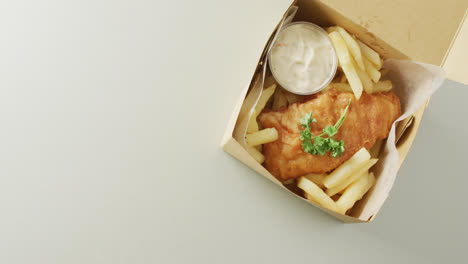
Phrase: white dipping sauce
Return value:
(302, 59)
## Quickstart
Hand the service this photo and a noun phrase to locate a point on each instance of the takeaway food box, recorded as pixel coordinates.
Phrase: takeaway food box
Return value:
(420, 31)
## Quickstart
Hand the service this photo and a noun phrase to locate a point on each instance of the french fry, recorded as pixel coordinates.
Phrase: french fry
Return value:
(274, 105)
(316, 194)
(355, 192)
(289, 181)
(346, 64)
(370, 54)
(342, 87)
(374, 74)
(253, 124)
(308, 197)
(279, 100)
(346, 169)
(264, 97)
(261, 137)
(259, 148)
(364, 170)
(269, 81)
(375, 150)
(353, 47)
(366, 81)
(257, 155)
(383, 86)
(292, 98)
(371, 181)
(316, 178)
(342, 187)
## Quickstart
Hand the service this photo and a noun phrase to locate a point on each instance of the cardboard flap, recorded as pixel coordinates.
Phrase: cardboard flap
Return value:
(423, 30)
(455, 61)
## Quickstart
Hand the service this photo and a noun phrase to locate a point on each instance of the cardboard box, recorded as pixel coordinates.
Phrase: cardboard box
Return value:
(428, 31)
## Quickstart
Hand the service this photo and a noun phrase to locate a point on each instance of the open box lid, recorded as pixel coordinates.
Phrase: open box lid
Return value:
(430, 31)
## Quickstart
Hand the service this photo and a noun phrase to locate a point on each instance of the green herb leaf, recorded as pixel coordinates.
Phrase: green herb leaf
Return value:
(330, 131)
(308, 146)
(305, 120)
(338, 149)
(317, 145)
(305, 135)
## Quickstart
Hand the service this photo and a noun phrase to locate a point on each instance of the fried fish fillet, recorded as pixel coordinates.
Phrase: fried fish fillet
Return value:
(368, 119)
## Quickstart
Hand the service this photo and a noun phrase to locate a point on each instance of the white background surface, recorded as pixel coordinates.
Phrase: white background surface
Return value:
(111, 116)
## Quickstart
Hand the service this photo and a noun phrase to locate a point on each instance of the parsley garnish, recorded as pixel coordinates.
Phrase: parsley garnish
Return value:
(321, 145)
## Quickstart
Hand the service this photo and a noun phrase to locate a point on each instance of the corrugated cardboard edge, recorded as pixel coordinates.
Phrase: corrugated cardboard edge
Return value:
(454, 62)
